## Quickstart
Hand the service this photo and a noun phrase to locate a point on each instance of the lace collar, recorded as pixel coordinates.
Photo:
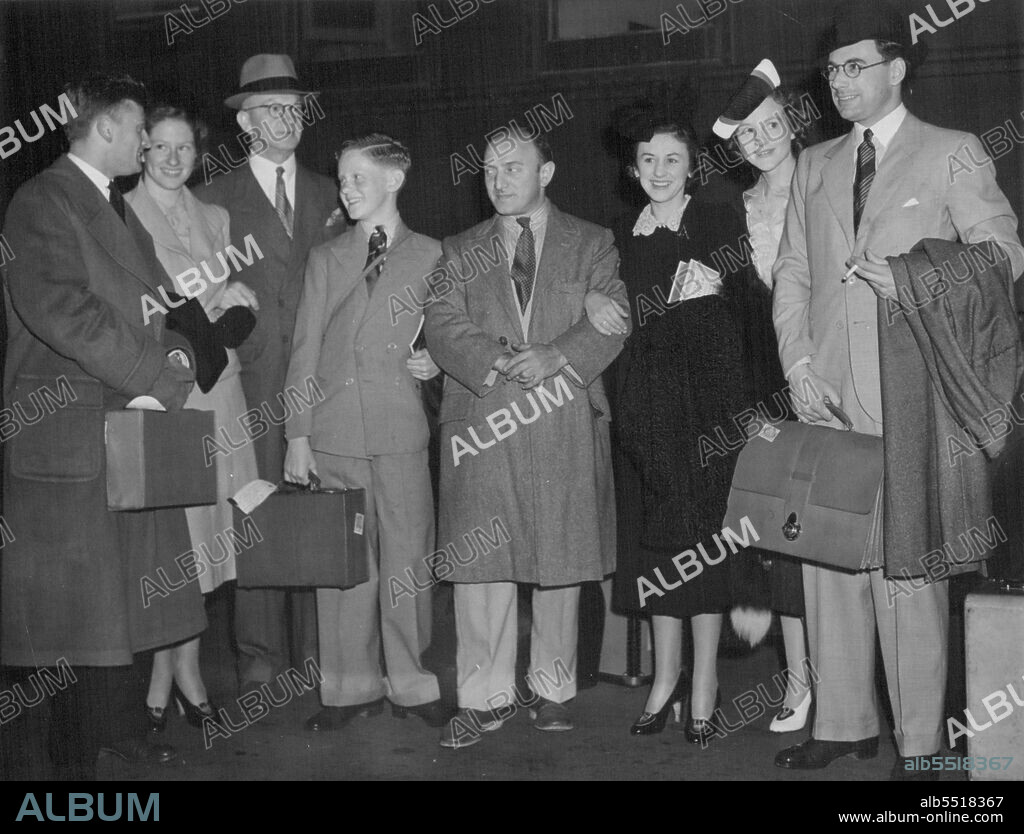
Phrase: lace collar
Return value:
(647, 223)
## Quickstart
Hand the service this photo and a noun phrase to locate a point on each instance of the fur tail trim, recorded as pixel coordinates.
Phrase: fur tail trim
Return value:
(751, 624)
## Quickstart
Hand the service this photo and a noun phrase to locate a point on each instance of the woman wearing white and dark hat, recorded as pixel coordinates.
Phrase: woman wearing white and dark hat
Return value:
(758, 120)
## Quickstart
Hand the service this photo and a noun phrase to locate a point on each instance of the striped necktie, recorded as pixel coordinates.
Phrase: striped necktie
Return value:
(865, 176)
(524, 265)
(281, 204)
(377, 246)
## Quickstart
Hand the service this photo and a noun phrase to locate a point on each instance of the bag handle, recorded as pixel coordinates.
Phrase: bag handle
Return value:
(839, 414)
(313, 485)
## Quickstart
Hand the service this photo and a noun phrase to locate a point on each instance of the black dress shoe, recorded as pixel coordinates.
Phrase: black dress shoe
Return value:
(334, 718)
(195, 714)
(434, 713)
(814, 754)
(140, 751)
(652, 723)
(909, 769)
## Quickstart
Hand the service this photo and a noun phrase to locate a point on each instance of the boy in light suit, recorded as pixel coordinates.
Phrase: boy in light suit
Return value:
(370, 432)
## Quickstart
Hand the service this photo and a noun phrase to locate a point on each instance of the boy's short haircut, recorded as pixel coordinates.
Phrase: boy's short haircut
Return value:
(382, 149)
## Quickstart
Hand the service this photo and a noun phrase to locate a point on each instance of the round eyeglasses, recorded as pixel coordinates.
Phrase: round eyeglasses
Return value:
(851, 68)
(278, 110)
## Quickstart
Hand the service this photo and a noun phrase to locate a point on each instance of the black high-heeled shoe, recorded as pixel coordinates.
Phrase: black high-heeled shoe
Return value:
(195, 715)
(700, 730)
(157, 718)
(651, 723)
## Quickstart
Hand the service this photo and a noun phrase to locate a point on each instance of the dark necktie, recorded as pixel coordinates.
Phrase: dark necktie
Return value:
(117, 201)
(378, 245)
(281, 204)
(524, 265)
(865, 175)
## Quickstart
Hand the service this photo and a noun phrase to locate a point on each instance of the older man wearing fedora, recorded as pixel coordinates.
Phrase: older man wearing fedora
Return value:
(286, 208)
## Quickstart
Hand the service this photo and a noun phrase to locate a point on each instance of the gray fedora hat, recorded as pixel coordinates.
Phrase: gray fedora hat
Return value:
(266, 74)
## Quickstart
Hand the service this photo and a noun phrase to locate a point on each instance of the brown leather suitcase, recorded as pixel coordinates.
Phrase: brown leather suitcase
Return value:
(157, 459)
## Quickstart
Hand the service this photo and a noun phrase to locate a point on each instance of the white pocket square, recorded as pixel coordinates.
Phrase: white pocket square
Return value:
(911, 203)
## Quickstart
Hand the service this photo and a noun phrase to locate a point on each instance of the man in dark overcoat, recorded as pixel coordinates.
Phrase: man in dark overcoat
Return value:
(80, 345)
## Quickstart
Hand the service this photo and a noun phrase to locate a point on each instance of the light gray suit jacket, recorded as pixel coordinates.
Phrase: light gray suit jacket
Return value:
(914, 195)
(356, 345)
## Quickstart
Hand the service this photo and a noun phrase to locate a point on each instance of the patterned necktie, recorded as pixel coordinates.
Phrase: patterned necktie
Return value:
(117, 201)
(865, 175)
(378, 245)
(281, 204)
(524, 265)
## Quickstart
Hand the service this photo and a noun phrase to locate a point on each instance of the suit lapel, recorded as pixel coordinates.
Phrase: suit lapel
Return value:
(254, 205)
(394, 274)
(888, 177)
(306, 223)
(349, 251)
(558, 242)
(124, 242)
(204, 239)
(154, 221)
(498, 278)
(837, 176)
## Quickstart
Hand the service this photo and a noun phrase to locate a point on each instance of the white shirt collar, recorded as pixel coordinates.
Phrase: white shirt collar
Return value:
(263, 167)
(99, 179)
(390, 227)
(882, 131)
(647, 223)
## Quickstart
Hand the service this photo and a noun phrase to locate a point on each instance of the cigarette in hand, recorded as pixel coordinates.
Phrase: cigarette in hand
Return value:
(849, 274)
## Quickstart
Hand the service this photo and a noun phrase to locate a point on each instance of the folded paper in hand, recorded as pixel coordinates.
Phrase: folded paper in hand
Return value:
(254, 493)
(693, 280)
(146, 403)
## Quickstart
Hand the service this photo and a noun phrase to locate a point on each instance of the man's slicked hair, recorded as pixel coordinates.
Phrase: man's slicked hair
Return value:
(99, 95)
(539, 141)
(382, 149)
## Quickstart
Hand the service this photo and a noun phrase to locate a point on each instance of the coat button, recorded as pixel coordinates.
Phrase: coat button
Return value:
(349, 381)
(359, 348)
(839, 325)
(392, 346)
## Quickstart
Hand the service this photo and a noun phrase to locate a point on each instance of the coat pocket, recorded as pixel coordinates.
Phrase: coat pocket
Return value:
(59, 436)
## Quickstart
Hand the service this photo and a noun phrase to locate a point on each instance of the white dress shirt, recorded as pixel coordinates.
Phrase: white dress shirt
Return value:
(265, 172)
(98, 178)
(882, 133)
